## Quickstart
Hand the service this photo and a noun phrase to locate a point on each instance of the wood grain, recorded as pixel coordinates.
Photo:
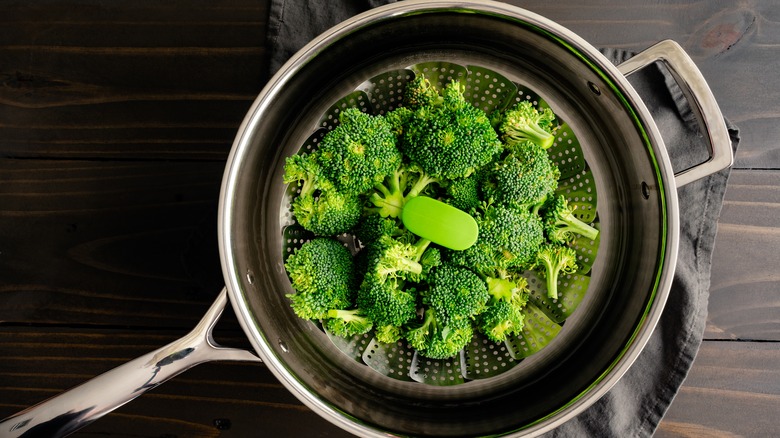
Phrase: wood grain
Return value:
(745, 283)
(214, 399)
(108, 243)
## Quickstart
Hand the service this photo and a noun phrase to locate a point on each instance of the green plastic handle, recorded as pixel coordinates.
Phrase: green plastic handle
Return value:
(440, 223)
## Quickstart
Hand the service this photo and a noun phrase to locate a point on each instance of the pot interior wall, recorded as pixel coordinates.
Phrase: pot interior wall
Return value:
(631, 212)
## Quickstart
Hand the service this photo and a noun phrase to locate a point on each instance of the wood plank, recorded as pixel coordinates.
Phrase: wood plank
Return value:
(732, 390)
(744, 301)
(114, 243)
(212, 399)
(156, 84)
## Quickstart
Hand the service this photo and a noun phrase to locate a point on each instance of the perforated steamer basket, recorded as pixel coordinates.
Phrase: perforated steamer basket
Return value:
(626, 165)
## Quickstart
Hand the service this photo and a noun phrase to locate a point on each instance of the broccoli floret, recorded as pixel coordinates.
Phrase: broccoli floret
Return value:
(390, 258)
(346, 323)
(504, 314)
(358, 153)
(419, 92)
(555, 260)
(388, 303)
(524, 178)
(406, 182)
(465, 193)
(398, 118)
(455, 292)
(327, 213)
(303, 170)
(523, 123)
(323, 276)
(372, 226)
(560, 224)
(436, 340)
(508, 239)
(451, 139)
(320, 207)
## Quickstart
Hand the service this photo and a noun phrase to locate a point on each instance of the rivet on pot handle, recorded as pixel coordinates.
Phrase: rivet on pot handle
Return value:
(67, 412)
(700, 97)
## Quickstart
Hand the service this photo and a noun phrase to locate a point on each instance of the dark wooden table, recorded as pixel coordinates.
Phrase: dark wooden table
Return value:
(116, 118)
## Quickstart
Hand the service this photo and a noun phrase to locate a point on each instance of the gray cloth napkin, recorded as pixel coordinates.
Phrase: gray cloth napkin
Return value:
(636, 404)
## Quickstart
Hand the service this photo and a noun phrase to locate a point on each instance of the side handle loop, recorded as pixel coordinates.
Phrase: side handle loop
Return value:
(695, 89)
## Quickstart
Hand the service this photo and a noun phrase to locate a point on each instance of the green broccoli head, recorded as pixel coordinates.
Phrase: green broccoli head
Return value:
(386, 302)
(398, 118)
(419, 92)
(524, 122)
(455, 293)
(323, 276)
(358, 153)
(304, 170)
(389, 258)
(347, 323)
(508, 240)
(328, 212)
(465, 193)
(523, 178)
(436, 340)
(501, 320)
(560, 223)
(555, 260)
(372, 226)
(452, 139)
(504, 313)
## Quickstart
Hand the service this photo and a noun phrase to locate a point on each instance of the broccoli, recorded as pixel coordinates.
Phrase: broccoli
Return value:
(373, 226)
(450, 139)
(436, 340)
(328, 214)
(455, 292)
(388, 257)
(524, 178)
(323, 276)
(464, 193)
(406, 182)
(454, 298)
(523, 123)
(346, 323)
(560, 224)
(398, 118)
(358, 153)
(320, 207)
(388, 303)
(419, 92)
(555, 260)
(503, 315)
(508, 239)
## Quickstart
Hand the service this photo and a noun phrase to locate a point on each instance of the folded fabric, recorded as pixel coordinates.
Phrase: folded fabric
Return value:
(637, 403)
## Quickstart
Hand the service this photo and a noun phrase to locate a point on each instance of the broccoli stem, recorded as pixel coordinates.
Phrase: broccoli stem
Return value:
(571, 223)
(391, 200)
(552, 279)
(419, 186)
(421, 245)
(533, 133)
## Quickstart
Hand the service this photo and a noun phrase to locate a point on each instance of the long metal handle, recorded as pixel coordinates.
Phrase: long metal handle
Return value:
(695, 89)
(80, 406)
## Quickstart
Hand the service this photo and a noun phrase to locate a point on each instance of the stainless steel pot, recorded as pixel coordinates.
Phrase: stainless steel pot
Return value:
(630, 280)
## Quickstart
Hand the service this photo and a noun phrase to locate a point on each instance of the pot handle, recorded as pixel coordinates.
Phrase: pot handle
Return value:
(695, 89)
(67, 412)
